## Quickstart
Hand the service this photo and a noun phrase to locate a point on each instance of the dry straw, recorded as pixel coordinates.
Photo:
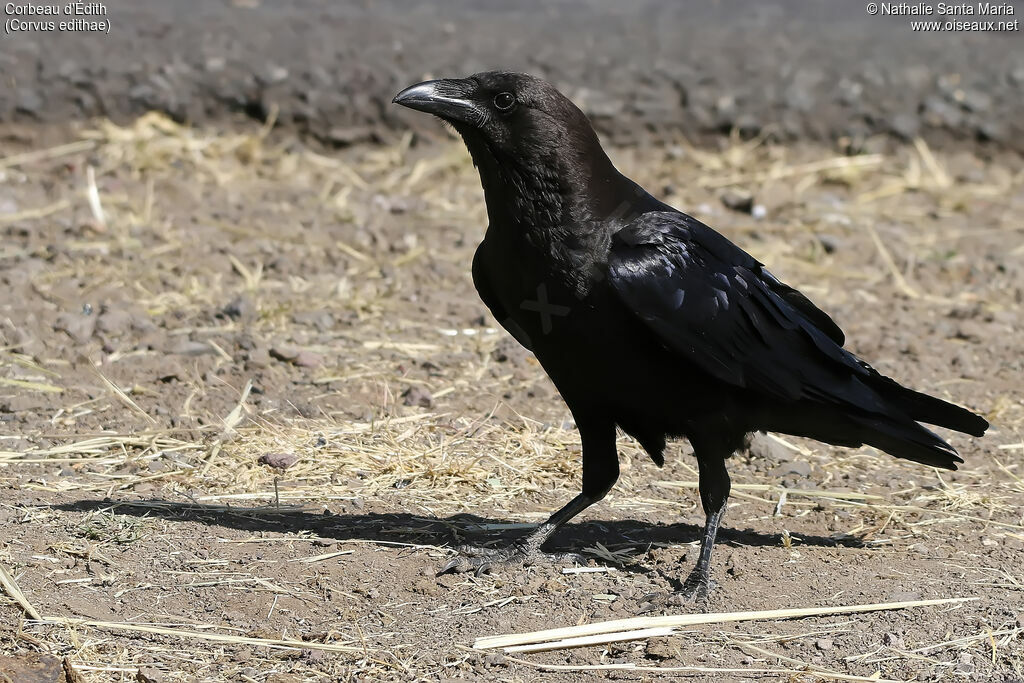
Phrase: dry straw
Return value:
(644, 627)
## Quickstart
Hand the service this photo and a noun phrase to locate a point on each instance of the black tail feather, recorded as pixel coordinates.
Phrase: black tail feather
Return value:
(931, 410)
(909, 440)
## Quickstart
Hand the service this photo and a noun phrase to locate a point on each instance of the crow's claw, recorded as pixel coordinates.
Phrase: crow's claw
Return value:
(696, 592)
(483, 560)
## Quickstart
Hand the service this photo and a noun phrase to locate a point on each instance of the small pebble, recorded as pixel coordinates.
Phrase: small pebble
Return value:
(417, 396)
(738, 200)
(279, 461)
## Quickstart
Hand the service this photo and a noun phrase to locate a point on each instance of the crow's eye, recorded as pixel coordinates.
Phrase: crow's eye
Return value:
(504, 101)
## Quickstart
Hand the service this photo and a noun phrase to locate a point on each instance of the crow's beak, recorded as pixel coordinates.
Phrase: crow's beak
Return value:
(448, 98)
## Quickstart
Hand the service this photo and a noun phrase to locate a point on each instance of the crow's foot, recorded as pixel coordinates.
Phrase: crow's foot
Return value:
(697, 589)
(482, 560)
(696, 593)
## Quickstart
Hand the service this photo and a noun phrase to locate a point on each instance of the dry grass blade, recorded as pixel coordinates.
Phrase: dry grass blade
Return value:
(897, 276)
(807, 493)
(30, 214)
(599, 639)
(833, 164)
(123, 397)
(789, 673)
(230, 423)
(938, 173)
(814, 670)
(619, 626)
(93, 195)
(31, 386)
(278, 643)
(11, 586)
(47, 154)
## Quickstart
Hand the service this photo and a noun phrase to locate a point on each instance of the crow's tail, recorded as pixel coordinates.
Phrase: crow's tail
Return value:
(905, 438)
(909, 440)
(928, 409)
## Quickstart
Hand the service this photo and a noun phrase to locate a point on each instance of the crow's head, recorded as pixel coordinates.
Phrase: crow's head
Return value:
(509, 115)
(539, 159)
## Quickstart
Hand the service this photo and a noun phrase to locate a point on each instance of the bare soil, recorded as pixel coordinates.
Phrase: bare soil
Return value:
(181, 303)
(824, 71)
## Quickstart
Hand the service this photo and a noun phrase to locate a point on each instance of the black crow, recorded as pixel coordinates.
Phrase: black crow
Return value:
(648, 320)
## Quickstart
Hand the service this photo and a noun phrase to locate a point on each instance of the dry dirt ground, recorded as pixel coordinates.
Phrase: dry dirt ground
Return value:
(179, 303)
(799, 70)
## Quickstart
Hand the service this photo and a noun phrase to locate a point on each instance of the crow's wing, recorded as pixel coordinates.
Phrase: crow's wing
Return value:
(714, 304)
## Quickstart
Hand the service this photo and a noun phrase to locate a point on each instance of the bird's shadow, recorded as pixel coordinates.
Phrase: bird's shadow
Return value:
(630, 537)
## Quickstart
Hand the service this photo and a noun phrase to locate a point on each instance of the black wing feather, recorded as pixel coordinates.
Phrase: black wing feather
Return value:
(710, 301)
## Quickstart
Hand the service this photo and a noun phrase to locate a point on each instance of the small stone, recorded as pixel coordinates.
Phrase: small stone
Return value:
(241, 307)
(272, 74)
(417, 396)
(22, 403)
(296, 356)
(662, 648)
(426, 586)
(257, 359)
(284, 353)
(964, 669)
(31, 668)
(308, 359)
(321, 320)
(823, 644)
(279, 461)
(830, 243)
(114, 322)
(975, 100)
(149, 674)
(495, 659)
(29, 101)
(938, 112)
(905, 126)
(738, 200)
(905, 596)
(971, 331)
(166, 369)
(763, 446)
(351, 135)
(313, 656)
(893, 640)
(187, 347)
(800, 468)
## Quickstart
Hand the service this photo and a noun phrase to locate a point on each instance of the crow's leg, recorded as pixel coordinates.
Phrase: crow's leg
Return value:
(714, 494)
(600, 472)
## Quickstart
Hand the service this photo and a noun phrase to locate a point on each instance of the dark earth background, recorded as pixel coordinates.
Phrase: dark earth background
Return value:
(820, 70)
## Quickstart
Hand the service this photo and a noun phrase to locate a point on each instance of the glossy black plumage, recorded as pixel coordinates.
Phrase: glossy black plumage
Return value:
(648, 320)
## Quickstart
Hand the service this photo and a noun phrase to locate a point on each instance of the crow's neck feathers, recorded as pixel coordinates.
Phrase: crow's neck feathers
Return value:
(553, 189)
